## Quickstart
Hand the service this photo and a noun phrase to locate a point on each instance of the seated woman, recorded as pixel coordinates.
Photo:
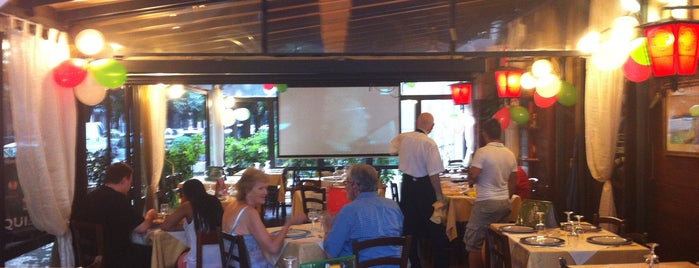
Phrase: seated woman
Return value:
(241, 218)
(202, 212)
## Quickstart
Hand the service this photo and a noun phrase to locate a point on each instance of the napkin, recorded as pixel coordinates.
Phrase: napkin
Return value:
(439, 214)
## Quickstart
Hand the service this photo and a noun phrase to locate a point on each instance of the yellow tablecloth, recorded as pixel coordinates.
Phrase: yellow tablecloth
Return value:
(167, 246)
(461, 200)
(574, 251)
(307, 249)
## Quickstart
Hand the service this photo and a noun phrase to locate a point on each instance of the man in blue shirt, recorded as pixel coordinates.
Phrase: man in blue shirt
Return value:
(368, 216)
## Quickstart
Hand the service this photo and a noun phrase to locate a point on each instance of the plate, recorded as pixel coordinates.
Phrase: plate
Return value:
(608, 240)
(544, 241)
(585, 226)
(518, 229)
(295, 233)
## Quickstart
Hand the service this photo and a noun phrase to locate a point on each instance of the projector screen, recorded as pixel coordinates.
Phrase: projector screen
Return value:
(337, 121)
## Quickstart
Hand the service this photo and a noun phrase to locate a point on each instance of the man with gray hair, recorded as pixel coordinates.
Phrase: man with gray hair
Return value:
(368, 216)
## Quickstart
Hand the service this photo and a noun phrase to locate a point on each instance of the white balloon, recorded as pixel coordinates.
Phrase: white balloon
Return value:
(227, 117)
(90, 92)
(242, 114)
(548, 85)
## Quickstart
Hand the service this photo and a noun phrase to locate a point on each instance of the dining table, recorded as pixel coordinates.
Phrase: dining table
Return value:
(167, 246)
(675, 264)
(594, 246)
(301, 242)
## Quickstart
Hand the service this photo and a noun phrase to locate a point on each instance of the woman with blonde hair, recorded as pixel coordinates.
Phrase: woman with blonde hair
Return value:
(241, 218)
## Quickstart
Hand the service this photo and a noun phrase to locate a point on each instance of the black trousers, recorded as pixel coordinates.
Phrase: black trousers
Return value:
(417, 197)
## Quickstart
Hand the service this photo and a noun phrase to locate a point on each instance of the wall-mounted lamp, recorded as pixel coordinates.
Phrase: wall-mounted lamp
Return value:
(672, 47)
(508, 83)
(461, 93)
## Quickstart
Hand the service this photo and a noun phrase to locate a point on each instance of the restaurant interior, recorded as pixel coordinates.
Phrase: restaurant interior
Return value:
(601, 130)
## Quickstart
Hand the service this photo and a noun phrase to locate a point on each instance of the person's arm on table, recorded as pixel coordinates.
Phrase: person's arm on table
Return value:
(147, 222)
(172, 221)
(269, 243)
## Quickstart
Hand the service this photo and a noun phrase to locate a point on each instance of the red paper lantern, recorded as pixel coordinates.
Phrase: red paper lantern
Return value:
(508, 83)
(672, 47)
(461, 93)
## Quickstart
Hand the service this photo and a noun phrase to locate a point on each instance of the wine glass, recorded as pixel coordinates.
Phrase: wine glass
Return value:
(164, 209)
(290, 261)
(569, 221)
(651, 258)
(578, 227)
(540, 227)
(313, 216)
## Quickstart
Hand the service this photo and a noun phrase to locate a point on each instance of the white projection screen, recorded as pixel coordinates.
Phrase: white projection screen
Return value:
(337, 121)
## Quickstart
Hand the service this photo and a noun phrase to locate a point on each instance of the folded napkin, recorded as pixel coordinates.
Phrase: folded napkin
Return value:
(439, 214)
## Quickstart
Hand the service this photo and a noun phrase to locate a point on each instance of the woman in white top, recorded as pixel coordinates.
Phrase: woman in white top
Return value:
(202, 212)
(241, 218)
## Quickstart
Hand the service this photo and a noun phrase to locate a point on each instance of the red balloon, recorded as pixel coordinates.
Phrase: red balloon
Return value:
(70, 73)
(636, 72)
(503, 116)
(268, 86)
(544, 102)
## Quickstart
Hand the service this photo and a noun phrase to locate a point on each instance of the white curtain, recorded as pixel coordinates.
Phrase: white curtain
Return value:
(153, 108)
(44, 123)
(603, 100)
(216, 128)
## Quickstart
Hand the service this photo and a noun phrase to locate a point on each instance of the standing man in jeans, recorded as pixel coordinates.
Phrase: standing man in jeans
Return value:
(420, 163)
(494, 170)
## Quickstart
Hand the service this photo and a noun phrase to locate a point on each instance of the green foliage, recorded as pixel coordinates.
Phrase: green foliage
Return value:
(387, 175)
(246, 151)
(183, 153)
(96, 166)
(191, 105)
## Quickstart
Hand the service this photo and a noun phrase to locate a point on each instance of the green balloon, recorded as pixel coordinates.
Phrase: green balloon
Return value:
(640, 54)
(568, 95)
(519, 114)
(410, 84)
(108, 72)
(281, 88)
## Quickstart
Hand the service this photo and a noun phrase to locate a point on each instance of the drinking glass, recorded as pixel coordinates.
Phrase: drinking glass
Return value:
(313, 216)
(569, 222)
(652, 259)
(540, 227)
(164, 209)
(578, 227)
(290, 261)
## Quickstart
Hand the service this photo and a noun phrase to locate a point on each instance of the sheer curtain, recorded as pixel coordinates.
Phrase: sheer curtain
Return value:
(603, 99)
(216, 128)
(44, 123)
(153, 107)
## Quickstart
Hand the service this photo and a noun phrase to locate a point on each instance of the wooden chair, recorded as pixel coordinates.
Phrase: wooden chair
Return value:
(394, 192)
(206, 238)
(640, 238)
(272, 201)
(325, 171)
(344, 262)
(88, 243)
(497, 250)
(233, 250)
(614, 224)
(310, 182)
(400, 241)
(312, 195)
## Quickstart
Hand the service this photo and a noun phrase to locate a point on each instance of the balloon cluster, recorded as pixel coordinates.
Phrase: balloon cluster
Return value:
(269, 89)
(516, 113)
(637, 66)
(89, 80)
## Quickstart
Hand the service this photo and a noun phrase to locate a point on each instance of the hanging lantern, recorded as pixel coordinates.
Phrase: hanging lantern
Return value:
(672, 47)
(461, 93)
(508, 83)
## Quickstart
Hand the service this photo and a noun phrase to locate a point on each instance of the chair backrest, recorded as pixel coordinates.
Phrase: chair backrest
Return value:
(206, 238)
(325, 171)
(640, 238)
(528, 212)
(88, 243)
(344, 262)
(400, 241)
(394, 192)
(609, 223)
(311, 182)
(312, 197)
(233, 250)
(497, 250)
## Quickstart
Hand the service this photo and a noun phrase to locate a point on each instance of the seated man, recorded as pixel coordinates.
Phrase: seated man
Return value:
(110, 206)
(361, 218)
